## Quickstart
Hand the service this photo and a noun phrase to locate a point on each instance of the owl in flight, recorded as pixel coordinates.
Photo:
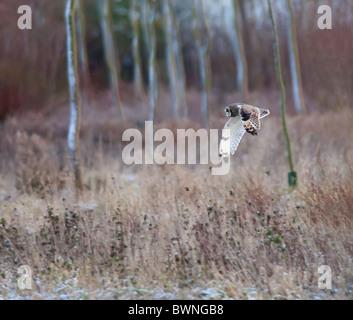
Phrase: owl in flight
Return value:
(243, 118)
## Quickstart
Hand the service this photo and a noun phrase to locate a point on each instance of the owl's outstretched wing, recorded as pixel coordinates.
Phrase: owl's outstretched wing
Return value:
(251, 119)
(229, 143)
(264, 113)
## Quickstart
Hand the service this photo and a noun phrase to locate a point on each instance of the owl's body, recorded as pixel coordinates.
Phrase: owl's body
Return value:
(243, 118)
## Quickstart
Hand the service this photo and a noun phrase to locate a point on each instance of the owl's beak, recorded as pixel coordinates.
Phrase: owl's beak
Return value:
(228, 112)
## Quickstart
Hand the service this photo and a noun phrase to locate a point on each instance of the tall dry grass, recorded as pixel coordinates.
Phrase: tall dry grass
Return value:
(177, 231)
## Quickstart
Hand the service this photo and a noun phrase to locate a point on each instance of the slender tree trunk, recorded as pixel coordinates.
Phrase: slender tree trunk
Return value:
(170, 59)
(111, 55)
(179, 63)
(294, 63)
(145, 7)
(75, 106)
(82, 50)
(238, 44)
(138, 82)
(292, 176)
(207, 54)
(204, 59)
(149, 13)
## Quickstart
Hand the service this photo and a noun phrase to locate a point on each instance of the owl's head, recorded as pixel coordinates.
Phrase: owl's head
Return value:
(232, 110)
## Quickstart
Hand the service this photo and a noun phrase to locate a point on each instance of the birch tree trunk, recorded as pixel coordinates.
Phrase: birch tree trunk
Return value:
(149, 13)
(82, 50)
(294, 63)
(238, 45)
(148, 39)
(170, 58)
(75, 107)
(179, 63)
(203, 50)
(111, 56)
(138, 82)
(292, 175)
(144, 18)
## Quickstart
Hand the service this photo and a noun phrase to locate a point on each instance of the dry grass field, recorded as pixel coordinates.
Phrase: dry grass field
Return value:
(176, 232)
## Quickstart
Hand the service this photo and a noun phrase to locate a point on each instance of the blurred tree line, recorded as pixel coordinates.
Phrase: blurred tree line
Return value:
(33, 62)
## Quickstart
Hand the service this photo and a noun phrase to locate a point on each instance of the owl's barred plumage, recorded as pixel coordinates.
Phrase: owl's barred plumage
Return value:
(243, 118)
